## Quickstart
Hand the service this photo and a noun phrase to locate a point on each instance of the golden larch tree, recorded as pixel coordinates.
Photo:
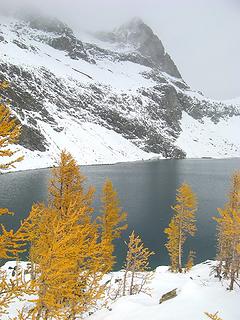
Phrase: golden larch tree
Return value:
(228, 234)
(68, 264)
(230, 221)
(65, 249)
(10, 131)
(182, 224)
(68, 182)
(137, 261)
(112, 222)
(173, 244)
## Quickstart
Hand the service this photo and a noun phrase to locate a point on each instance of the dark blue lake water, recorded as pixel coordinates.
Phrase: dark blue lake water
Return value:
(147, 190)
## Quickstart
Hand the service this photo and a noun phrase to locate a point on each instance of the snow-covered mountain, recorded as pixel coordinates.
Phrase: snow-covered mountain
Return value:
(106, 97)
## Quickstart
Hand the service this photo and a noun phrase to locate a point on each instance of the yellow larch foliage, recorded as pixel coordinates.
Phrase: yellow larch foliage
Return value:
(213, 316)
(234, 196)
(11, 287)
(6, 293)
(68, 183)
(182, 224)
(173, 244)
(10, 131)
(65, 253)
(67, 265)
(228, 237)
(5, 238)
(230, 222)
(137, 260)
(22, 315)
(190, 261)
(9, 247)
(223, 249)
(112, 222)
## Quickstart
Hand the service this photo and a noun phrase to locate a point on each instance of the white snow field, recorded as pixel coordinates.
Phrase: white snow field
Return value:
(198, 291)
(206, 139)
(88, 143)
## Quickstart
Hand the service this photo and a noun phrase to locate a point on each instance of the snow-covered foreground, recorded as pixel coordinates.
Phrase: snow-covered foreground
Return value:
(198, 291)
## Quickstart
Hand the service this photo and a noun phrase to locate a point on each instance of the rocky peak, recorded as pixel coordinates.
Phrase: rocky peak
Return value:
(141, 37)
(136, 32)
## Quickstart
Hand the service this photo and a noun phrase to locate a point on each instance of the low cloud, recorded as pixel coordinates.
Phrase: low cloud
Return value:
(201, 36)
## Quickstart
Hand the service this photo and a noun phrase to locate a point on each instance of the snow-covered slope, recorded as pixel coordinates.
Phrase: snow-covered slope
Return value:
(198, 291)
(106, 97)
(205, 138)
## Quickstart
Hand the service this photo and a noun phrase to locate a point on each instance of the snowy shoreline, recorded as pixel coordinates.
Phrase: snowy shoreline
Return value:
(18, 170)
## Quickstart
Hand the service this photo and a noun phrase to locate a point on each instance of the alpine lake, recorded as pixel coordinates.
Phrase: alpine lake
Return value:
(147, 190)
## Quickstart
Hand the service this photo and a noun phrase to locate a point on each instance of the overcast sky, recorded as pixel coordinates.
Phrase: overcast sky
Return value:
(202, 36)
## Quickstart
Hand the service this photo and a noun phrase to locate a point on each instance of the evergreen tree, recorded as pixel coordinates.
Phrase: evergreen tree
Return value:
(9, 134)
(182, 224)
(112, 222)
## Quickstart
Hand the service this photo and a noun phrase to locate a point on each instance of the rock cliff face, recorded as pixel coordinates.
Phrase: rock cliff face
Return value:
(138, 35)
(106, 97)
